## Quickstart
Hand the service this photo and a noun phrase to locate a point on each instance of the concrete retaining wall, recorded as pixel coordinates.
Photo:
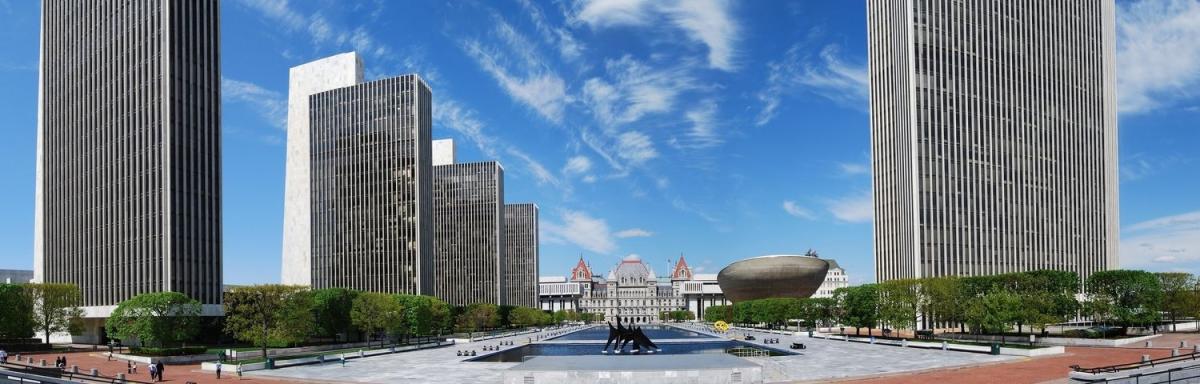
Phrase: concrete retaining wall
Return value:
(1077, 342)
(210, 366)
(185, 359)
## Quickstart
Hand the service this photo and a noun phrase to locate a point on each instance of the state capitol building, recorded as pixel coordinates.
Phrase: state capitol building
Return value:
(633, 291)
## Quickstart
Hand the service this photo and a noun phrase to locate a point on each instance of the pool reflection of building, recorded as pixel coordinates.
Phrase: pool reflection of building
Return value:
(631, 290)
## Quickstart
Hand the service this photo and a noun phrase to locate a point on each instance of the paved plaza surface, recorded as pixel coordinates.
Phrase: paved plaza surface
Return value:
(823, 360)
(436, 365)
(179, 374)
(1045, 369)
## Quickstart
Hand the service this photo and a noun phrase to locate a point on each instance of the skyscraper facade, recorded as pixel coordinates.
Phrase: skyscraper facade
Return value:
(993, 135)
(337, 71)
(521, 254)
(128, 189)
(468, 249)
(370, 177)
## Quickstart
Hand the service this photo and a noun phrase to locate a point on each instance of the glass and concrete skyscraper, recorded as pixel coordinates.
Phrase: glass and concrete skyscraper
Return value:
(337, 71)
(128, 189)
(468, 249)
(993, 135)
(369, 182)
(521, 254)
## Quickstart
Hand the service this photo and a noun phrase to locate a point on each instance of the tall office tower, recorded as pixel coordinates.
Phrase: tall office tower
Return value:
(128, 189)
(468, 246)
(338, 71)
(993, 135)
(372, 222)
(521, 254)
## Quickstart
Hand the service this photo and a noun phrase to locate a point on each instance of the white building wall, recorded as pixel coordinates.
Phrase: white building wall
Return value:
(337, 71)
(443, 152)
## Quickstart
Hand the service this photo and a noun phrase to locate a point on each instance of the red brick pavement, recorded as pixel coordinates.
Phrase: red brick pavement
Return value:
(178, 374)
(1032, 370)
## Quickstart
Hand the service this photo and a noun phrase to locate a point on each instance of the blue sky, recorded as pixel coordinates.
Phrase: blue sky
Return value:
(719, 130)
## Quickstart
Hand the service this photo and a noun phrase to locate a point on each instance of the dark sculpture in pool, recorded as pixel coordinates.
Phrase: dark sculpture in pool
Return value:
(763, 277)
(623, 336)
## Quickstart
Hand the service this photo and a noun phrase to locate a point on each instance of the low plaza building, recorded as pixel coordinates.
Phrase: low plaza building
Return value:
(631, 290)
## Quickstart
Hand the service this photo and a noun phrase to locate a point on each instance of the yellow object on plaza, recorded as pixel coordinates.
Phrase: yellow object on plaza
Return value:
(721, 326)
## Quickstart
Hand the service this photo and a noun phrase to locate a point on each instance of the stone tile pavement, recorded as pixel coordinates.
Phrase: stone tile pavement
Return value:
(437, 365)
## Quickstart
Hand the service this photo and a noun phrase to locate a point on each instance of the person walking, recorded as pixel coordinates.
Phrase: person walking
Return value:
(129, 367)
(153, 372)
(134, 367)
(160, 370)
(3, 356)
(218, 370)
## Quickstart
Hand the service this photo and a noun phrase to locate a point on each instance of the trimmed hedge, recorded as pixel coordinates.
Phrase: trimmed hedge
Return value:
(150, 351)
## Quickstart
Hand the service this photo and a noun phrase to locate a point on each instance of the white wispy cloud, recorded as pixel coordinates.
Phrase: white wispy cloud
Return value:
(1158, 53)
(279, 11)
(1165, 240)
(633, 232)
(535, 168)
(851, 169)
(582, 230)
(568, 46)
(828, 75)
(448, 113)
(520, 71)
(577, 165)
(857, 208)
(708, 22)
(635, 147)
(703, 131)
(633, 89)
(796, 210)
(270, 105)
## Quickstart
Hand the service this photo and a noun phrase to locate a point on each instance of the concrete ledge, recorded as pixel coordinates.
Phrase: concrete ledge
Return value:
(185, 359)
(666, 369)
(1044, 351)
(321, 359)
(1078, 342)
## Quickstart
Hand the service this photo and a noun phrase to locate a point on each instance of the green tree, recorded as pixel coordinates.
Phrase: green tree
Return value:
(267, 314)
(477, 317)
(1134, 297)
(377, 314)
(859, 306)
(899, 303)
(945, 299)
(157, 318)
(439, 311)
(992, 312)
(331, 309)
(16, 312)
(418, 315)
(717, 313)
(1179, 295)
(526, 317)
(56, 308)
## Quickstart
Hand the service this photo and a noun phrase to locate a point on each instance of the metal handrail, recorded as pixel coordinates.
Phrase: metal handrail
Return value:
(1137, 377)
(1137, 365)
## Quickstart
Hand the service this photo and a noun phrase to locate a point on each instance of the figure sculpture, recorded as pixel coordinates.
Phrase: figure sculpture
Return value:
(622, 336)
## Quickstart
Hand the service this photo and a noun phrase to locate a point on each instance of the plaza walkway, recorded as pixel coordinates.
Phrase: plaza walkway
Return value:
(434, 366)
(178, 374)
(1046, 369)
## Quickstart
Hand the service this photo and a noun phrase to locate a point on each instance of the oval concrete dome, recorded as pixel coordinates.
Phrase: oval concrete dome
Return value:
(772, 276)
